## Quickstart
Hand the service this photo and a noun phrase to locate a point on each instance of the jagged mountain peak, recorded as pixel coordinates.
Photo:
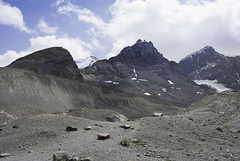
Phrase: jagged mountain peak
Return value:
(141, 53)
(208, 49)
(143, 42)
(140, 70)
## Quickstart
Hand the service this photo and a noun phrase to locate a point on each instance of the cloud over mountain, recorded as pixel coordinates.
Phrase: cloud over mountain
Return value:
(77, 48)
(176, 27)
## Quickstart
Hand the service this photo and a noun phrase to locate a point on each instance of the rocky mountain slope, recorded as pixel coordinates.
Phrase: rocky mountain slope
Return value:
(53, 61)
(25, 93)
(208, 64)
(140, 70)
(137, 82)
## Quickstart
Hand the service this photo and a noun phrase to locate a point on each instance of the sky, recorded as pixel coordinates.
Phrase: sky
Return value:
(102, 28)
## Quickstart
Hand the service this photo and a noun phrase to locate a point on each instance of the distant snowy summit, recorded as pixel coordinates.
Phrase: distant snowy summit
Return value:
(213, 68)
(82, 63)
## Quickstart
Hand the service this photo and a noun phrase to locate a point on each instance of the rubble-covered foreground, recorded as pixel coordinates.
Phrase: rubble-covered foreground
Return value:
(207, 130)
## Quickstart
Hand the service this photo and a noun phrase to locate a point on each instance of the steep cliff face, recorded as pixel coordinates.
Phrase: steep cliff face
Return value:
(140, 70)
(208, 64)
(53, 61)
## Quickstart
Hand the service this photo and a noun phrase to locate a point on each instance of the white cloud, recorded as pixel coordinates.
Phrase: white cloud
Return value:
(83, 15)
(12, 16)
(58, 2)
(175, 28)
(77, 48)
(44, 28)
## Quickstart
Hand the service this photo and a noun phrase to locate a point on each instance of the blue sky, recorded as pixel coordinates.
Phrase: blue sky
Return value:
(103, 27)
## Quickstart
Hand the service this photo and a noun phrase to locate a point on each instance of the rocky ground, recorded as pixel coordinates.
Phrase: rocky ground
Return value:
(207, 130)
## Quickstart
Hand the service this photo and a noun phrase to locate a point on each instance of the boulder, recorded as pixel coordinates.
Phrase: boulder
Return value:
(103, 136)
(86, 159)
(15, 126)
(125, 126)
(155, 114)
(60, 156)
(116, 118)
(219, 129)
(88, 128)
(74, 159)
(3, 155)
(71, 128)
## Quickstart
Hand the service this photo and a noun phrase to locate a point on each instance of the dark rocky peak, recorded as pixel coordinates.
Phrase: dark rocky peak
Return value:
(55, 61)
(205, 57)
(141, 53)
(207, 49)
(207, 52)
(208, 64)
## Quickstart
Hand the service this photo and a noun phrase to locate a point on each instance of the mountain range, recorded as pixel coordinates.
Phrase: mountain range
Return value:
(136, 83)
(149, 108)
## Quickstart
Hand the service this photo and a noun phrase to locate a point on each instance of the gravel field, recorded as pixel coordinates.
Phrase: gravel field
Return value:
(207, 130)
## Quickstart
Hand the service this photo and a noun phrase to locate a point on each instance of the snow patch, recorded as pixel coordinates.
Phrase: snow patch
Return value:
(147, 94)
(143, 80)
(213, 84)
(134, 79)
(111, 82)
(135, 73)
(238, 78)
(115, 82)
(82, 63)
(170, 82)
(164, 89)
(208, 66)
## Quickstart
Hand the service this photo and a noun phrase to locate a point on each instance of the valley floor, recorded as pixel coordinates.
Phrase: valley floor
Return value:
(207, 130)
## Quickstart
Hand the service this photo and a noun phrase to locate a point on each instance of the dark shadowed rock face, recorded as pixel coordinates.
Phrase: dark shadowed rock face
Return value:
(141, 53)
(55, 61)
(140, 70)
(207, 64)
